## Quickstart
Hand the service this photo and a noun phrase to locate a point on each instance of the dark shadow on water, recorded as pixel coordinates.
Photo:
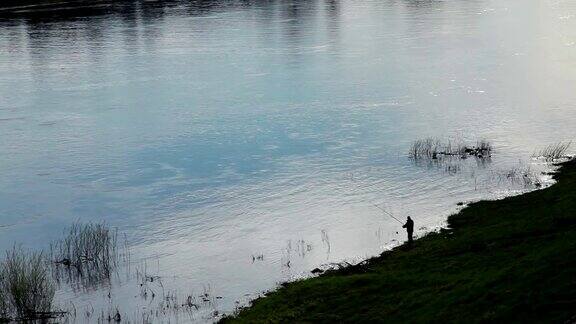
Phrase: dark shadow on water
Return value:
(47, 27)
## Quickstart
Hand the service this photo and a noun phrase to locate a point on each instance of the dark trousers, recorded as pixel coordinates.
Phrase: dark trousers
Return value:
(410, 239)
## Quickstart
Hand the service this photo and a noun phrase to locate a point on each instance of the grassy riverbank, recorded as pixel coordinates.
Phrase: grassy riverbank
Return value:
(507, 260)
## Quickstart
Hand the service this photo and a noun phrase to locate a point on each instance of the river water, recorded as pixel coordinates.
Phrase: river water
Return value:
(239, 144)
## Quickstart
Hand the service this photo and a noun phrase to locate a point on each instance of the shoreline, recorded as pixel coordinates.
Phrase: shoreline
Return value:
(512, 259)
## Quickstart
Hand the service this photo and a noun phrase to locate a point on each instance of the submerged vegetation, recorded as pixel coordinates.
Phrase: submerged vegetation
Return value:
(433, 148)
(498, 261)
(26, 288)
(521, 175)
(28, 280)
(449, 157)
(476, 270)
(89, 252)
(554, 151)
(87, 257)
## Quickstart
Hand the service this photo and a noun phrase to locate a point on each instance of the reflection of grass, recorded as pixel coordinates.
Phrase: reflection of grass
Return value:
(511, 260)
(26, 289)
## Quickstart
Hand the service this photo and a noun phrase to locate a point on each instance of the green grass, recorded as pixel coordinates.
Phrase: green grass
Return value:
(26, 289)
(499, 261)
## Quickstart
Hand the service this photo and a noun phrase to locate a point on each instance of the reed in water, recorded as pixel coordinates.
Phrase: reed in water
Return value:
(26, 288)
(433, 148)
(554, 151)
(89, 251)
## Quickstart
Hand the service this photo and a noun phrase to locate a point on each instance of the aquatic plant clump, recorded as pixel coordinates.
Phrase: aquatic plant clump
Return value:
(554, 151)
(4, 309)
(89, 250)
(26, 288)
(424, 148)
(484, 146)
(433, 149)
(519, 175)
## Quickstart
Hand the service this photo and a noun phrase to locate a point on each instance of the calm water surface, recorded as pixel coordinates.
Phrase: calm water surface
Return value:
(211, 132)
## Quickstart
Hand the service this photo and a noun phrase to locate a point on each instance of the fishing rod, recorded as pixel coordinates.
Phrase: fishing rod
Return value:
(382, 209)
(387, 213)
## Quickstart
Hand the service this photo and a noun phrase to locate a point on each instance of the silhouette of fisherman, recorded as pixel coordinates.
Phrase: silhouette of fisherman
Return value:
(409, 226)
